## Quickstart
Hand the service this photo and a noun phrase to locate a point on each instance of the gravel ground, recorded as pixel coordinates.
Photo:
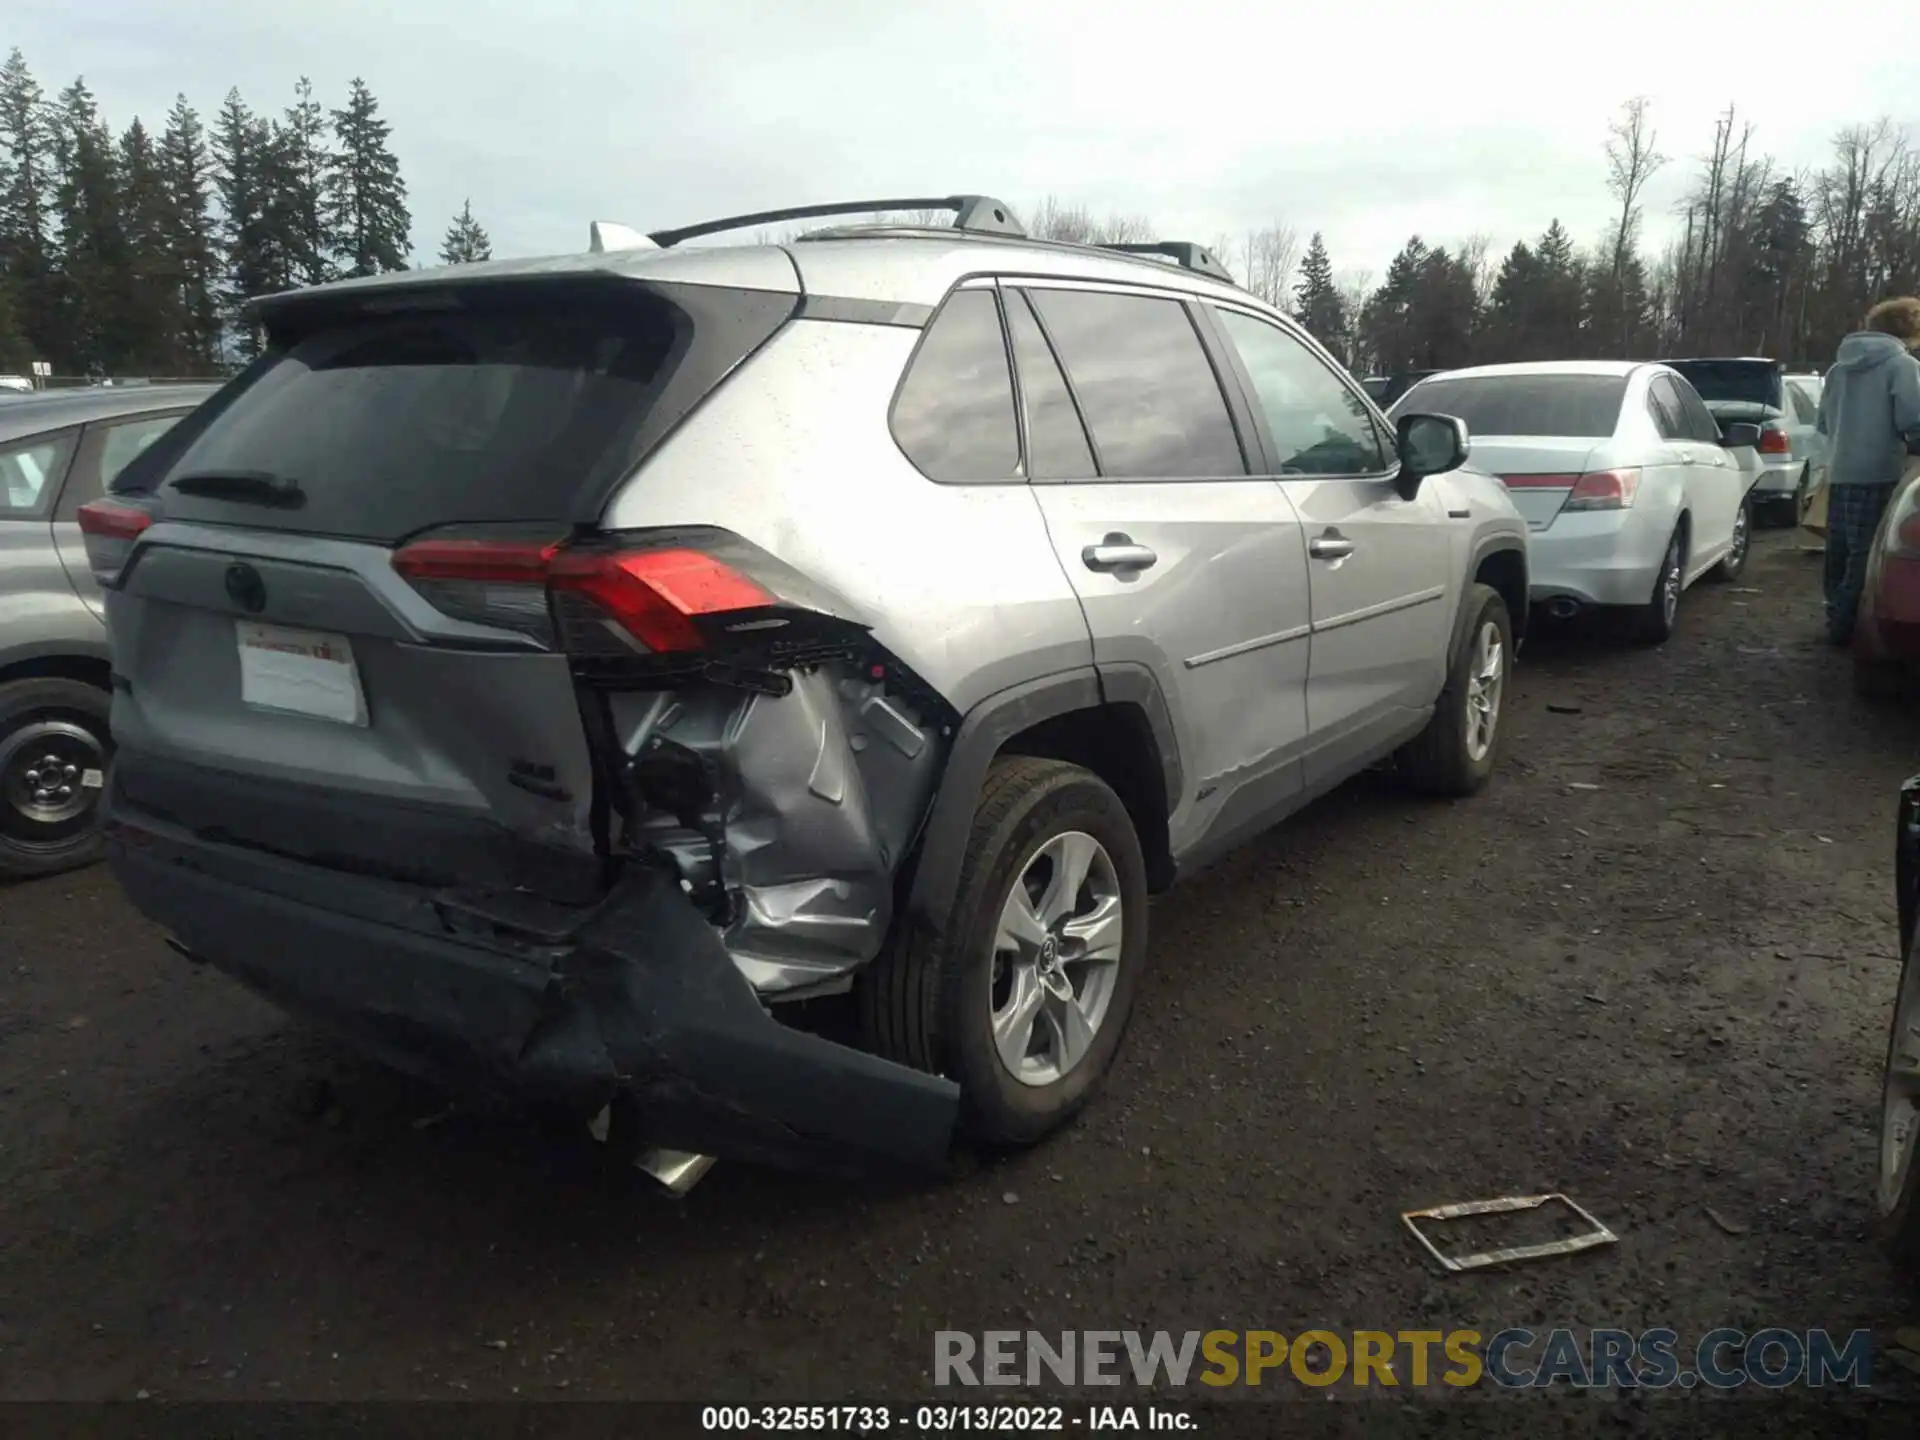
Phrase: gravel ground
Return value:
(1650, 966)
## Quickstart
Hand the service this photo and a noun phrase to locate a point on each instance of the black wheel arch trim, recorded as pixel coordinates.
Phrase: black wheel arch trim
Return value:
(985, 730)
(1488, 547)
(87, 651)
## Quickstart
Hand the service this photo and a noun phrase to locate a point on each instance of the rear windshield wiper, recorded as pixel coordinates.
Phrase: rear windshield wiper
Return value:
(259, 487)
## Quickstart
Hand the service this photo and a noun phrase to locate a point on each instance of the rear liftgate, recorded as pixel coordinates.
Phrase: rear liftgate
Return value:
(762, 767)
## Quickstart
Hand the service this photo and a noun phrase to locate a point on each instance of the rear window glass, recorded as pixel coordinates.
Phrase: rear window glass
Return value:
(393, 424)
(1735, 382)
(1573, 405)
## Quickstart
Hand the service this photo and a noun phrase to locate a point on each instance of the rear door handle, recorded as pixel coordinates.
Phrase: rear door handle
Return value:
(1330, 546)
(1117, 552)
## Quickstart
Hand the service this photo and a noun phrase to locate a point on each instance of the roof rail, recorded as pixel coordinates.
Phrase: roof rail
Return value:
(981, 214)
(1184, 253)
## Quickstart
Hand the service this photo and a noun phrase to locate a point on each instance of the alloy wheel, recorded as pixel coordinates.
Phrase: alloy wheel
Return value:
(1670, 583)
(1486, 682)
(1056, 958)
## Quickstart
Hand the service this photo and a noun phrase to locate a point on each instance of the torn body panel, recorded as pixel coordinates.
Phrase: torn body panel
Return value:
(564, 1008)
(817, 795)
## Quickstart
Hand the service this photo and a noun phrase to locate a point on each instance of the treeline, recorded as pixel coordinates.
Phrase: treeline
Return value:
(132, 253)
(1769, 261)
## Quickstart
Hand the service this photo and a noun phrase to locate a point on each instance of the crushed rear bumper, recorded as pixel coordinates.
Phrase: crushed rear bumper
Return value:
(565, 1010)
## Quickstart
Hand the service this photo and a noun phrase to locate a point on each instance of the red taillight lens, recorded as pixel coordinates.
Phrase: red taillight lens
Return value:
(655, 596)
(112, 520)
(1775, 441)
(110, 529)
(1604, 490)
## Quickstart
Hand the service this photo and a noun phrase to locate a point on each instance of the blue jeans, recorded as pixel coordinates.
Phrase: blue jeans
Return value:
(1853, 515)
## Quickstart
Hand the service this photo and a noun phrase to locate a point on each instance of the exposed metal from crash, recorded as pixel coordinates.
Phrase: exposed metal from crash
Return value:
(811, 800)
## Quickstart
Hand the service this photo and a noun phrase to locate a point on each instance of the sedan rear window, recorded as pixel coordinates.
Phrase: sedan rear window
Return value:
(508, 410)
(1581, 406)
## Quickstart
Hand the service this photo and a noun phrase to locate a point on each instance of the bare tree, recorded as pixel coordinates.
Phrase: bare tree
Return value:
(1631, 162)
(1267, 258)
(1053, 219)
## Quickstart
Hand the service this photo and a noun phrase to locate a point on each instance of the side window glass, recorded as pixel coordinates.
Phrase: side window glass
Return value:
(1056, 441)
(29, 469)
(1319, 425)
(1145, 385)
(954, 414)
(107, 450)
(1698, 419)
(1665, 404)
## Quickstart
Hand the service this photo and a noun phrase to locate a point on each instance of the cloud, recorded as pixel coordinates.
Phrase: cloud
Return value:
(1368, 122)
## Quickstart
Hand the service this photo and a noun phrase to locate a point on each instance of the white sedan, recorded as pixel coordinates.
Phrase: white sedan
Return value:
(1629, 486)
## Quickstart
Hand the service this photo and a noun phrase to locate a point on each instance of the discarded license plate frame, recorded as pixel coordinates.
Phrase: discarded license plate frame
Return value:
(1506, 1204)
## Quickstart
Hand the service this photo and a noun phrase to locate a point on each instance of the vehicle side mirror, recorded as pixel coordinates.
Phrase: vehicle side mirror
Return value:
(1429, 445)
(1740, 435)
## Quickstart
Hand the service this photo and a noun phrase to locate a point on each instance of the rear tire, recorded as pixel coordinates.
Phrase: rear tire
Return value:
(1457, 751)
(1897, 1193)
(1654, 622)
(1735, 560)
(955, 1003)
(53, 741)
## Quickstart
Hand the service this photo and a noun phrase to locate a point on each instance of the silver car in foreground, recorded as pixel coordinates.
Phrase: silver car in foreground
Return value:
(59, 450)
(546, 671)
(1630, 487)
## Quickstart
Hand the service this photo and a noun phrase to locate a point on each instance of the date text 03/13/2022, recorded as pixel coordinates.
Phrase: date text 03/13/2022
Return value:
(940, 1419)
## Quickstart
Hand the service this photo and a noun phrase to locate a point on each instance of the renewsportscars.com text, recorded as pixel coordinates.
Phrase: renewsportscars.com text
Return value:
(1721, 1359)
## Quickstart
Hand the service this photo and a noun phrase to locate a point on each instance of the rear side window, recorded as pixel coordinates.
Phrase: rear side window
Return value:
(1664, 401)
(1694, 416)
(1056, 440)
(29, 473)
(954, 414)
(109, 447)
(1144, 383)
(502, 408)
(1805, 408)
(1577, 406)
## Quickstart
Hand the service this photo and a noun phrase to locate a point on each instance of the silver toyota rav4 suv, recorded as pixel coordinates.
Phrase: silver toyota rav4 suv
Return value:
(545, 672)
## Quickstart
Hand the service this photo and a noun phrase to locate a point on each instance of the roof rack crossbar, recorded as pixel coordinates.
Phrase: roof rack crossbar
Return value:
(1184, 253)
(981, 214)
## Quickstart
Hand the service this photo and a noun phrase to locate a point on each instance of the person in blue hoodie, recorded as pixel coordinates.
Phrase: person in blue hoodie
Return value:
(1870, 416)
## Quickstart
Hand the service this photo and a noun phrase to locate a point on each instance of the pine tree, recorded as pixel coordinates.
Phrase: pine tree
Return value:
(1560, 303)
(241, 147)
(1386, 323)
(1317, 298)
(186, 172)
(1509, 333)
(366, 198)
(26, 185)
(146, 293)
(93, 254)
(466, 241)
(299, 199)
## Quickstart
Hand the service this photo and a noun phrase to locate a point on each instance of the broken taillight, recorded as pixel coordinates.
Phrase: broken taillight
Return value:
(654, 594)
(110, 529)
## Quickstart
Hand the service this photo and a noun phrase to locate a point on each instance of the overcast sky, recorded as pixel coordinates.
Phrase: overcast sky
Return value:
(1368, 121)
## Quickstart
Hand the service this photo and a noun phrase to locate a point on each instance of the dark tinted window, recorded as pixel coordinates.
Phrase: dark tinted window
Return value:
(512, 410)
(1737, 382)
(1056, 441)
(1664, 401)
(954, 414)
(1319, 426)
(1144, 383)
(1573, 405)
